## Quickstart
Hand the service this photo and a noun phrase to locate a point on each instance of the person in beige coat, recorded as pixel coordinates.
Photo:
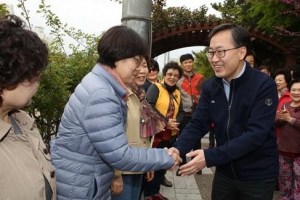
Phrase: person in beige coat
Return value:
(142, 123)
(25, 170)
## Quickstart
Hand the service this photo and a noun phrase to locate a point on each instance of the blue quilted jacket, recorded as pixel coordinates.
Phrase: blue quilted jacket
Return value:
(92, 142)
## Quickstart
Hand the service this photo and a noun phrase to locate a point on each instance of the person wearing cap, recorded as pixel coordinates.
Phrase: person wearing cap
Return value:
(190, 85)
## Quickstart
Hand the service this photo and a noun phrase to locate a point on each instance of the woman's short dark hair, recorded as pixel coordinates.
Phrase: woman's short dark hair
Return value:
(240, 35)
(23, 55)
(172, 65)
(121, 42)
(296, 80)
(284, 72)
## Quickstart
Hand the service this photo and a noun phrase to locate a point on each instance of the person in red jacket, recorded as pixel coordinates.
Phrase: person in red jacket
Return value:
(190, 86)
(282, 77)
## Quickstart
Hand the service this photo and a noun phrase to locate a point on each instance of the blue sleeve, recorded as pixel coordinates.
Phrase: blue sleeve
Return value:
(102, 120)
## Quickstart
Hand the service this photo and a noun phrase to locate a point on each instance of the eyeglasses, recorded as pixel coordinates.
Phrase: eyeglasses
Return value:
(219, 53)
(138, 61)
(172, 75)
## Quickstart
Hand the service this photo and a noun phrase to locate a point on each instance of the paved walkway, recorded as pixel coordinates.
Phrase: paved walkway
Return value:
(184, 188)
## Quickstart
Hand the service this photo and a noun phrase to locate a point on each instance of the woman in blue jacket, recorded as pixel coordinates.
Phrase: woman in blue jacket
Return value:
(91, 139)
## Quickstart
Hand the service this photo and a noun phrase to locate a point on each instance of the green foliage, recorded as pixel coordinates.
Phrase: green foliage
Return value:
(3, 10)
(173, 17)
(230, 10)
(269, 15)
(263, 15)
(57, 83)
(279, 18)
(25, 12)
(63, 73)
(202, 65)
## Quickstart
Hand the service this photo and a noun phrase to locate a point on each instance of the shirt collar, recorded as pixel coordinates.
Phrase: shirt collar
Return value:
(239, 75)
(23, 120)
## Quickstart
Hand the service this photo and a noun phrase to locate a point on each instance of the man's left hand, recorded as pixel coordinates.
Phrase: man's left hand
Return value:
(196, 164)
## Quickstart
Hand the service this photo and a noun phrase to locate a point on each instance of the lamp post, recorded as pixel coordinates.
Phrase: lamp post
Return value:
(136, 14)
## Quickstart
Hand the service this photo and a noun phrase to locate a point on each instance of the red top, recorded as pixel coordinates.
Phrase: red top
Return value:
(285, 98)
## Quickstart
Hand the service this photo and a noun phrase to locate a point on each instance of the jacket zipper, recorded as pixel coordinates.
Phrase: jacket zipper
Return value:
(228, 122)
(190, 85)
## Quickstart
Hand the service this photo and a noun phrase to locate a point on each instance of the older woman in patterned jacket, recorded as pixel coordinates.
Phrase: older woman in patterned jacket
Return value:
(288, 119)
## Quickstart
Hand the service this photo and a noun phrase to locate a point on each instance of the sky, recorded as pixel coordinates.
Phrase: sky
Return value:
(96, 16)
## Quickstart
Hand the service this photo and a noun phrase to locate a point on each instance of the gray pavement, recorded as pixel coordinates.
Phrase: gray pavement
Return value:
(184, 188)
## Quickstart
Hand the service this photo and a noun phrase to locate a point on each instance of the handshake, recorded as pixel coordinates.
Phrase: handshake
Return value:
(197, 163)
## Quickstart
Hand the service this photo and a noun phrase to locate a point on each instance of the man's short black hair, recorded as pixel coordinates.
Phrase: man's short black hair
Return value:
(187, 56)
(154, 65)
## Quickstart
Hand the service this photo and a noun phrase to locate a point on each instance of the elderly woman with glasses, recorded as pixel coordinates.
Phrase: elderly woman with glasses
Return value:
(91, 140)
(165, 98)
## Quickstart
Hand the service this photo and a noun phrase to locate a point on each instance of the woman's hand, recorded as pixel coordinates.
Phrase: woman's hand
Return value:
(172, 125)
(149, 176)
(284, 115)
(117, 185)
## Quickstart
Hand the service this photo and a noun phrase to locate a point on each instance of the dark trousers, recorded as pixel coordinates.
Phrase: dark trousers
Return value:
(152, 187)
(184, 122)
(225, 188)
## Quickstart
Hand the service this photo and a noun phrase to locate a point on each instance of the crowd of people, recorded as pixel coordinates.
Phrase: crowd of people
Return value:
(123, 126)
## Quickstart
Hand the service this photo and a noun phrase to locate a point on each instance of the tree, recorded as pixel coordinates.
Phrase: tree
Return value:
(229, 9)
(292, 32)
(202, 65)
(63, 73)
(279, 18)
(3, 10)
